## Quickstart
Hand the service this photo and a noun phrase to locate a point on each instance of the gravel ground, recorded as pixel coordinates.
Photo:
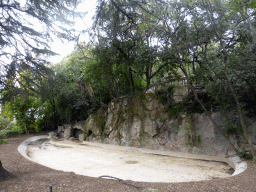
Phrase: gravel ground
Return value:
(30, 176)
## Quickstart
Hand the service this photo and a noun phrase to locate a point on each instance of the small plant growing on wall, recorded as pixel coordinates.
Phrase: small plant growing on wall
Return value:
(193, 140)
(165, 96)
(161, 120)
(198, 140)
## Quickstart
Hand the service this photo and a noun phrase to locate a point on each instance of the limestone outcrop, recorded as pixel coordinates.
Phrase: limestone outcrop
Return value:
(144, 122)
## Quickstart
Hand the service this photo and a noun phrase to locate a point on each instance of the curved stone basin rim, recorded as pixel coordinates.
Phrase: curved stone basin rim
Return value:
(235, 162)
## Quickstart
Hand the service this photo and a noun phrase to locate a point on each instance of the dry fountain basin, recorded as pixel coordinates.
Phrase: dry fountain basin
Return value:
(127, 163)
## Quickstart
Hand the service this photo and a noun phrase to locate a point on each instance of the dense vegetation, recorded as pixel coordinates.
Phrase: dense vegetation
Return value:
(134, 46)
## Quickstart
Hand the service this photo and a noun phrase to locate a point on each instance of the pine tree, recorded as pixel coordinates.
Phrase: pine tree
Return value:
(26, 30)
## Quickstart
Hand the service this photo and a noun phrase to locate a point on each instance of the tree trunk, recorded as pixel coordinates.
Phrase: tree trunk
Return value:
(131, 77)
(147, 79)
(108, 80)
(55, 125)
(247, 138)
(3, 173)
(202, 105)
(89, 89)
(239, 110)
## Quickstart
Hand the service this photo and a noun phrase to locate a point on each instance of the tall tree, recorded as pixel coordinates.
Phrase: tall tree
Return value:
(22, 43)
(193, 35)
(129, 29)
(27, 27)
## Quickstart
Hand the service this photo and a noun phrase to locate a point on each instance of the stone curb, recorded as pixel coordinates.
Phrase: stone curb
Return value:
(240, 165)
(234, 161)
(23, 146)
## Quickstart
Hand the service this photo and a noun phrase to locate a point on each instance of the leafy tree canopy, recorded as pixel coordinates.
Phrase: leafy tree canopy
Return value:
(26, 29)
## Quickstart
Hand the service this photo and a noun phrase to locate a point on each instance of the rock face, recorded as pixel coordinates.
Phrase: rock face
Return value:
(144, 122)
(252, 131)
(69, 131)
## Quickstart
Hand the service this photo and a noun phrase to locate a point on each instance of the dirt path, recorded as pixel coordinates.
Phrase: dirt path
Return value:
(31, 176)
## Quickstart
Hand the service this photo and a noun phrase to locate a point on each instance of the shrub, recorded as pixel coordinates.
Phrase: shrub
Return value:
(11, 133)
(3, 141)
(4, 123)
(244, 153)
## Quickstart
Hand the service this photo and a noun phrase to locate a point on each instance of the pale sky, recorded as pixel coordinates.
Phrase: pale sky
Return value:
(67, 47)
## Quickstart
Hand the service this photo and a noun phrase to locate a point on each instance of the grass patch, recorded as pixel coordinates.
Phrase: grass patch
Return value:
(3, 142)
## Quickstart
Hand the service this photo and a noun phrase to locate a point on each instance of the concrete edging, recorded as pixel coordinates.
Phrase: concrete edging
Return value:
(23, 146)
(240, 165)
(234, 161)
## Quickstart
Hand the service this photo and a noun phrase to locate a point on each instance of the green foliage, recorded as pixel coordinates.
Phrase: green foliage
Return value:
(27, 47)
(75, 97)
(161, 95)
(39, 125)
(165, 96)
(233, 129)
(129, 46)
(143, 97)
(244, 153)
(3, 142)
(161, 120)
(18, 28)
(4, 123)
(136, 44)
(239, 6)
(175, 126)
(193, 140)
(187, 106)
(25, 108)
(24, 46)
(198, 140)
(175, 110)
(12, 133)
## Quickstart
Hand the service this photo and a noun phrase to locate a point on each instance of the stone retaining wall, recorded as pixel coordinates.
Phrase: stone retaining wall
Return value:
(144, 123)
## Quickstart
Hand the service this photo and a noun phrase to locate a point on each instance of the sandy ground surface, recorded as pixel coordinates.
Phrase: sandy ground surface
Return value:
(32, 177)
(95, 160)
